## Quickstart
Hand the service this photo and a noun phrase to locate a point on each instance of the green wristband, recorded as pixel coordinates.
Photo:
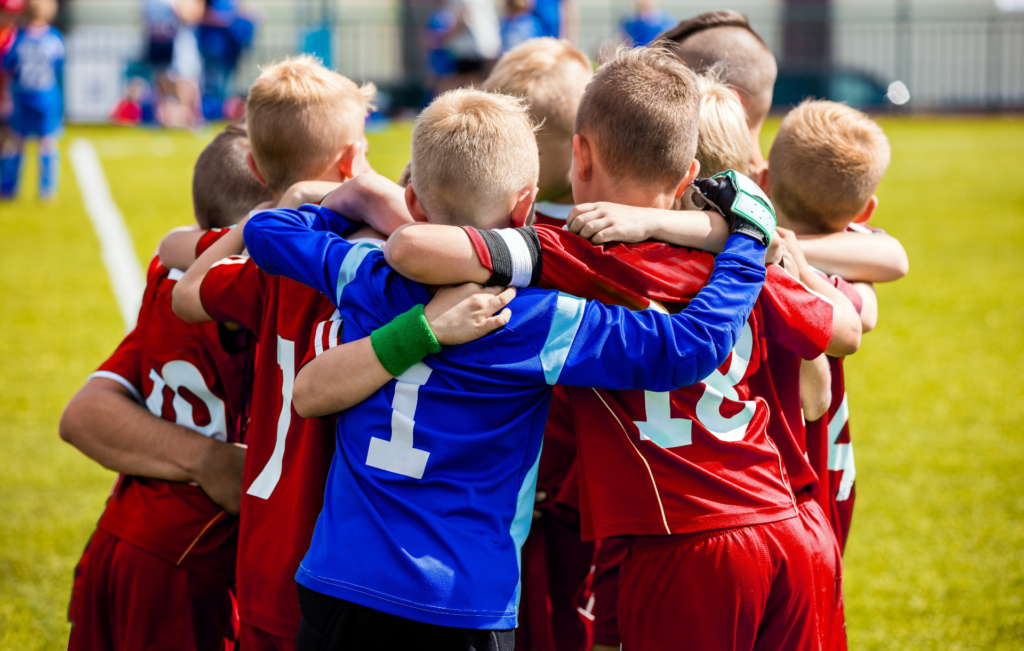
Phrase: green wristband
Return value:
(404, 341)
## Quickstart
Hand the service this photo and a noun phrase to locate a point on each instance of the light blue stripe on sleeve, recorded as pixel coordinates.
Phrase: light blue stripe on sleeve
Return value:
(524, 518)
(350, 265)
(567, 319)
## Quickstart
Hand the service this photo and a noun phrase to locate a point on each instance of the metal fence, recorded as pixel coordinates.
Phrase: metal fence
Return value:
(948, 60)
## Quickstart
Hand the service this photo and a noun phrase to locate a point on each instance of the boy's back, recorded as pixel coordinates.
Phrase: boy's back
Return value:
(287, 460)
(197, 376)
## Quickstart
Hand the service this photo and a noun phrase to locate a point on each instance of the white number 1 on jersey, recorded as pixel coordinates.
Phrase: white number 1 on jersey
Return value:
(667, 432)
(398, 455)
(264, 485)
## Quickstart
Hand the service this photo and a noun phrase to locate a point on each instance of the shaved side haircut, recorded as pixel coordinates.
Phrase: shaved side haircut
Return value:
(726, 38)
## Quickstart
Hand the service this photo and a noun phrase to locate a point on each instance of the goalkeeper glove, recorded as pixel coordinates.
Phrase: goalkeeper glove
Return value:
(742, 203)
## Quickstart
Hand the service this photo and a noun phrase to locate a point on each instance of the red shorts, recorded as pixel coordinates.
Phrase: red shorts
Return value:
(126, 598)
(828, 574)
(740, 589)
(256, 639)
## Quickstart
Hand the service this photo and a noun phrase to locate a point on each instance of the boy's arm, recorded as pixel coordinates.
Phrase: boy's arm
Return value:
(303, 245)
(186, 300)
(435, 255)
(373, 199)
(104, 421)
(344, 376)
(869, 308)
(612, 347)
(178, 248)
(846, 328)
(815, 387)
(874, 257)
(610, 222)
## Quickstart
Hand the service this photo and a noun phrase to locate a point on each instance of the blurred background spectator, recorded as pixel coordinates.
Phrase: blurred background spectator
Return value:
(645, 24)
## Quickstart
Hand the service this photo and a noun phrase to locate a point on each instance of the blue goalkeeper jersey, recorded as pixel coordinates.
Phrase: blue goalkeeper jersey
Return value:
(431, 490)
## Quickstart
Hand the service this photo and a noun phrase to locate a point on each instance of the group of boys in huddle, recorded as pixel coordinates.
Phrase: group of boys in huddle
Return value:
(587, 260)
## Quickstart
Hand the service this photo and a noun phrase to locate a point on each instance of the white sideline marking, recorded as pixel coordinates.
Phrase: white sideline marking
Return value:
(126, 277)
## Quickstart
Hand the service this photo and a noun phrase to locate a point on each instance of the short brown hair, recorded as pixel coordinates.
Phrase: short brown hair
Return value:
(641, 109)
(723, 141)
(300, 116)
(726, 37)
(472, 151)
(550, 74)
(826, 162)
(224, 190)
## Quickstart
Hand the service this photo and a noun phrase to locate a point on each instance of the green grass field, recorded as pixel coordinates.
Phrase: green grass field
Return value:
(936, 555)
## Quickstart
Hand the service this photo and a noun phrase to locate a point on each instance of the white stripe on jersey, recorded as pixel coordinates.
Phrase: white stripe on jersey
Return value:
(235, 259)
(840, 455)
(175, 274)
(522, 261)
(332, 336)
(318, 340)
(120, 380)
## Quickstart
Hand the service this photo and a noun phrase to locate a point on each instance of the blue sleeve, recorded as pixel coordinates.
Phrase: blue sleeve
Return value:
(610, 347)
(300, 244)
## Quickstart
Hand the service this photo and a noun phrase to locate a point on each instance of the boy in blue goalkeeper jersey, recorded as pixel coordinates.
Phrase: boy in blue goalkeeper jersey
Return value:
(35, 63)
(431, 489)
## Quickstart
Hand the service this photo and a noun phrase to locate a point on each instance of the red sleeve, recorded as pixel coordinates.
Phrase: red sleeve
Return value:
(480, 247)
(849, 292)
(326, 334)
(125, 365)
(210, 238)
(234, 290)
(794, 316)
(630, 275)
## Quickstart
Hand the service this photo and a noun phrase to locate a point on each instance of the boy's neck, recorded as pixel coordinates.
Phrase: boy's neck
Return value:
(798, 227)
(564, 198)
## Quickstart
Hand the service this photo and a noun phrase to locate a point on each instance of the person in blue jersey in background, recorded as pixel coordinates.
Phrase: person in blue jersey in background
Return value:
(642, 27)
(518, 25)
(431, 490)
(35, 64)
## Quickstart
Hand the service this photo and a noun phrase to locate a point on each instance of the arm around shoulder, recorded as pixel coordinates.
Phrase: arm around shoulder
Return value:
(435, 255)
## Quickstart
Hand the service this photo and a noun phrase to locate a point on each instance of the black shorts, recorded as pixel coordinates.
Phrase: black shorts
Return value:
(332, 624)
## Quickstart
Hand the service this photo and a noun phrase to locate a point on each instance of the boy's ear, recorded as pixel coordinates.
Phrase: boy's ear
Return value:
(691, 174)
(251, 162)
(764, 182)
(868, 211)
(582, 153)
(413, 204)
(351, 162)
(523, 208)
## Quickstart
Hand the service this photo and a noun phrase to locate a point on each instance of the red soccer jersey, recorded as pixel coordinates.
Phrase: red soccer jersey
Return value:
(289, 457)
(838, 452)
(696, 458)
(197, 376)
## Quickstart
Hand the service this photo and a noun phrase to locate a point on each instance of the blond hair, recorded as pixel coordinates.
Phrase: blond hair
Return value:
(825, 164)
(550, 75)
(471, 152)
(723, 141)
(641, 110)
(223, 188)
(300, 116)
